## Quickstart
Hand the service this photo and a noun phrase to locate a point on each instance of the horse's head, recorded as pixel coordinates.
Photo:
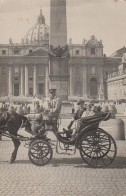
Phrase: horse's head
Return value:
(26, 124)
(4, 116)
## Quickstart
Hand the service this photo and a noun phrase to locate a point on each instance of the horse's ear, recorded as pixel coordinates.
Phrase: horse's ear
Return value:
(28, 126)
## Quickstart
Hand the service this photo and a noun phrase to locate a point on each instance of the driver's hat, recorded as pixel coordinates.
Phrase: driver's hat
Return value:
(52, 90)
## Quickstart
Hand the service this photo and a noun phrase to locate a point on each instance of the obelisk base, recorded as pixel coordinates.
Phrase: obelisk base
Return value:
(58, 76)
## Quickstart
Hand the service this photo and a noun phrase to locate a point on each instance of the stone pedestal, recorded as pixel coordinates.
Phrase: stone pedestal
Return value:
(58, 76)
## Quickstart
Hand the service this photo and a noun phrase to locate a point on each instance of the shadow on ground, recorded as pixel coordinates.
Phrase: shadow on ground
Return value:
(119, 163)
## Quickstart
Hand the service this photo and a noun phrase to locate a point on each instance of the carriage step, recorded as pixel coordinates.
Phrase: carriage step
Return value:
(68, 149)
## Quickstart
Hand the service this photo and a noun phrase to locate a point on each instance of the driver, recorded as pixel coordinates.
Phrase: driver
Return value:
(54, 104)
(51, 112)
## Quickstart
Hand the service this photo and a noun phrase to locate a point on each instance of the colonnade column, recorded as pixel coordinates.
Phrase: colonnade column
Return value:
(10, 81)
(84, 81)
(71, 80)
(46, 80)
(101, 83)
(35, 81)
(26, 80)
(22, 82)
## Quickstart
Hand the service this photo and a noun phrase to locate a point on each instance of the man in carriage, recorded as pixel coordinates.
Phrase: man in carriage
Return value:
(55, 104)
(82, 112)
(53, 110)
(49, 115)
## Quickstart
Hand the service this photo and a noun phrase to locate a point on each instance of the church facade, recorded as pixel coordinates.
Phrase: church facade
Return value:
(116, 82)
(26, 68)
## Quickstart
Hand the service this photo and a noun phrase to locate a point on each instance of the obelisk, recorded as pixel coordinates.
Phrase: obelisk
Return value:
(58, 70)
(58, 23)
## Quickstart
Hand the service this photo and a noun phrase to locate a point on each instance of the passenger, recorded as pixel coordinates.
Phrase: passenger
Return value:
(77, 115)
(99, 108)
(89, 111)
(77, 124)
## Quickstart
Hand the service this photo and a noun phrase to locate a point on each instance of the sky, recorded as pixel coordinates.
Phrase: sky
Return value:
(106, 19)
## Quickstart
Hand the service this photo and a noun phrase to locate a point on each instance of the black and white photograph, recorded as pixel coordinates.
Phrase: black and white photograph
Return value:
(62, 97)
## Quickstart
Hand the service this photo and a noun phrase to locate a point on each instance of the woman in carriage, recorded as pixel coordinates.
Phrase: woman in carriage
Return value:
(82, 112)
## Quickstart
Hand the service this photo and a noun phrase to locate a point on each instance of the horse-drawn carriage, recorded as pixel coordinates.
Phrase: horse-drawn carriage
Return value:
(97, 148)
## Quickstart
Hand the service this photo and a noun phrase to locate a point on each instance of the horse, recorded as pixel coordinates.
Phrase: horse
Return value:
(12, 122)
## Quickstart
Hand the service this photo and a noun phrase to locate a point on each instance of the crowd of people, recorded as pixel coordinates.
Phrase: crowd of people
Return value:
(84, 110)
(95, 107)
(52, 107)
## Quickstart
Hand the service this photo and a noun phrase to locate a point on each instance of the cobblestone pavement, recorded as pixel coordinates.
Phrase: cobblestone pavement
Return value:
(64, 175)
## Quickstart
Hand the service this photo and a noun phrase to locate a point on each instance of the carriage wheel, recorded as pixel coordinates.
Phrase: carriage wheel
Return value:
(40, 153)
(98, 148)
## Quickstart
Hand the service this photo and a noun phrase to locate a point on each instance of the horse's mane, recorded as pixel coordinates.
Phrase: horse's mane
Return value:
(12, 120)
(4, 116)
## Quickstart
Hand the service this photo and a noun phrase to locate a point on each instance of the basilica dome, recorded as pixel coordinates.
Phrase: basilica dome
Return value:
(39, 33)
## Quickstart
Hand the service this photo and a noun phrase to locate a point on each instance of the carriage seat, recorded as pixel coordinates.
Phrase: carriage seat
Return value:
(97, 117)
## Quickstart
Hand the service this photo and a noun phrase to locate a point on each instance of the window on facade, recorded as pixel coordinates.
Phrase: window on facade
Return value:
(77, 52)
(16, 51)
(16, 69)
(40, 88)
(30, 78)
(3, 52)
(92, 51)
(106, 74)
(93, 87)
(93, 70)
(31, 91)
(3, 70)
(30, 51)
(15, 78)
(77, 70)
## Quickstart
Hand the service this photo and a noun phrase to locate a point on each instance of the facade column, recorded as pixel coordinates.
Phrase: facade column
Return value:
(10, 81)
(101, 83)
(71, 80)
(35, 81)
(26, 80)
(22, 82)
(84, 81)
(46, 80)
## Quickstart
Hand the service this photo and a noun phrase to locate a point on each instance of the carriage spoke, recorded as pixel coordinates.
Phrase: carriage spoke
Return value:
(98, 148)
(96, 159)
(108, 157)
(40, 153)
(87, 147)
(91, 158)
(103, 161)
(33, 153)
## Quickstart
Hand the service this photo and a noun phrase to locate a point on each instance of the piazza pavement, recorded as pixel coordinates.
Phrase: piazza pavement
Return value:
(64, 176)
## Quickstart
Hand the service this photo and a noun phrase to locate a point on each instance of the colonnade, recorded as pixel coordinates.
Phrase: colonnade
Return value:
(24, 81)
